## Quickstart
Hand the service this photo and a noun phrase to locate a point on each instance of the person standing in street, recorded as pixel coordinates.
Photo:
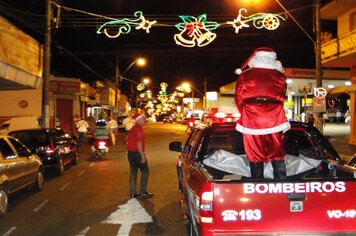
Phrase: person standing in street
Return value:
(137, 158)
(112, 127)
(82, 127)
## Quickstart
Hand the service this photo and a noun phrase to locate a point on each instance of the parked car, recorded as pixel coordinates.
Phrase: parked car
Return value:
(167, 119)
(19, 168)
(21, 122)
(54, 146)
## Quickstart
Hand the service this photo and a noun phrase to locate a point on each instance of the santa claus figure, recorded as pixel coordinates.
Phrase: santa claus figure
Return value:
(259, 97)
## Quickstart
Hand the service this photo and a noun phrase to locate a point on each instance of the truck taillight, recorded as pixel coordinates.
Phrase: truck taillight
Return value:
(206, 203)
(220, 115)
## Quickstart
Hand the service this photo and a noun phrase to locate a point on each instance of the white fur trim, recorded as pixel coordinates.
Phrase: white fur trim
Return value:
(282, 127)
(266, 54)
(238, 71)
(266, 63)
(139, 117)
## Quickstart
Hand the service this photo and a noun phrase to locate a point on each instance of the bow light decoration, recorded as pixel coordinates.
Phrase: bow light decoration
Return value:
(195, 31)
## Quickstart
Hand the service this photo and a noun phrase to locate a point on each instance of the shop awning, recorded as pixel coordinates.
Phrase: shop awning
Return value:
(341, 90)
(13, 78)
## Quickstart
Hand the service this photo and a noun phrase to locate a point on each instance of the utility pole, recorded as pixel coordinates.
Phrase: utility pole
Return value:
(318, 67)
(204, 95)
(46, 67)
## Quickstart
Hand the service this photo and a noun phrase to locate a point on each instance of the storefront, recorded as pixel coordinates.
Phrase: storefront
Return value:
(68, 98)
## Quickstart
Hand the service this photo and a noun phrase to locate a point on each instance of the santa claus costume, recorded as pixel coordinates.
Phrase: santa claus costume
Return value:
(259, 97)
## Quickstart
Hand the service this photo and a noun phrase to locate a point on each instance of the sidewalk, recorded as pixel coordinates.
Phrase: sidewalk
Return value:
(338, 136)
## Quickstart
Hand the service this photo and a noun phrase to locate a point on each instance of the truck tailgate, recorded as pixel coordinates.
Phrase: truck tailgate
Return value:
(270, 207)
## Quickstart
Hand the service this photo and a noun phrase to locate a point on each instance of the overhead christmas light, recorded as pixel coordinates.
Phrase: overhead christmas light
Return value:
(195, 31)
(114, 29)
(268, 21)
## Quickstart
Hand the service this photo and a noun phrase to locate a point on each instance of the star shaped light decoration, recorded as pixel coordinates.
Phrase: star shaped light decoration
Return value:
(145, 24)
(237, 23)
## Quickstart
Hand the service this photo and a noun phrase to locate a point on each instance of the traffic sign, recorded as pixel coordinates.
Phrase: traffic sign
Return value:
(320, 92)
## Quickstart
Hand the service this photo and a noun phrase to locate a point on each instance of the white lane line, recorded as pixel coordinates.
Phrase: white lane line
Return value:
(13, 228)
(91, 164)
(84, 231)
(41, 205)
(64, 186)
(81, 173)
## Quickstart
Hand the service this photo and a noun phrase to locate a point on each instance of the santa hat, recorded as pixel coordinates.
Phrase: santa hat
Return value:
(138, 116)
(263, 57)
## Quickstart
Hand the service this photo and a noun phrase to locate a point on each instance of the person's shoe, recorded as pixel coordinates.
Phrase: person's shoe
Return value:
(135, 195)
(145, 195)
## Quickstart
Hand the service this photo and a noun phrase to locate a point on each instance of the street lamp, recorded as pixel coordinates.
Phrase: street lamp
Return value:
(139, 61)
(186, 87)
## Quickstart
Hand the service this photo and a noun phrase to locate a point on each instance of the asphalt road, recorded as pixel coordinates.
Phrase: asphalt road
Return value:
(92, 198)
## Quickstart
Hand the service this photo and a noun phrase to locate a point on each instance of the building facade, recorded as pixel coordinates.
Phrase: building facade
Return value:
(340, 52)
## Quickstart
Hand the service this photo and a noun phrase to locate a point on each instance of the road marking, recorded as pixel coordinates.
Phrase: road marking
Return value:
(13, 228)
(64, 186)
(91, 164)
(84, 231)
(41, 205)
(81, 173)
(126, 215)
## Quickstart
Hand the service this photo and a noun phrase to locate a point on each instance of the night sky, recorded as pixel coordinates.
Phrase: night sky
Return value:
(77, 51)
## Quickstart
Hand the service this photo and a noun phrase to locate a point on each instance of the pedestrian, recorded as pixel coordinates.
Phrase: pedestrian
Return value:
(92, 122)
(347, 117)
(259, 97)
(112, 127)
(82, 128)
(310, 119)
(137, 158)
(128, 123)
(338, 116)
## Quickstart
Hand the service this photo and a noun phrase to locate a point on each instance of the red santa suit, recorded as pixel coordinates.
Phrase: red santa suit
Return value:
(259, 97)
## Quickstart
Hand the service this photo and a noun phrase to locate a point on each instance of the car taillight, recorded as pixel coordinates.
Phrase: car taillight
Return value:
(65, 150)
(206, 203)
(49, 149)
